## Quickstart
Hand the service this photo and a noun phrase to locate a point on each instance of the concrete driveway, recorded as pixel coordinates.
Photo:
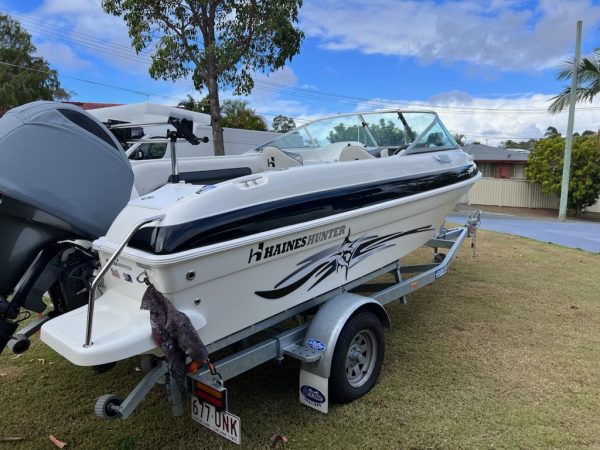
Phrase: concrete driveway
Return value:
(570, 233)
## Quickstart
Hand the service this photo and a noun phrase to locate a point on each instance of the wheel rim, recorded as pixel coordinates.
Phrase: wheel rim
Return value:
(360, 359)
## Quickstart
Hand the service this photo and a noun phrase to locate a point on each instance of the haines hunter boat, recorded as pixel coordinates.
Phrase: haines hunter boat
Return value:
(314, 209)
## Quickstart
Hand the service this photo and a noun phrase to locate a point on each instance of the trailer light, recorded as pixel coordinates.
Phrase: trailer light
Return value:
(209, 390)
(217, 397)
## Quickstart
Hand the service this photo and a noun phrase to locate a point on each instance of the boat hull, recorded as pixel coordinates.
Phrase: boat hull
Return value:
(249, 280)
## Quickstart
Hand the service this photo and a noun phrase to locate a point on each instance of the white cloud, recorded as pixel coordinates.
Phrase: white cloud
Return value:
(494, 120)
(84, 28)
(62, 56)
(493, 33)
(265, 98)
(284, 76)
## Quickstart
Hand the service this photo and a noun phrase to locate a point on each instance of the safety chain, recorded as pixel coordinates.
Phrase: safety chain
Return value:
(473, 222)
(215, 373)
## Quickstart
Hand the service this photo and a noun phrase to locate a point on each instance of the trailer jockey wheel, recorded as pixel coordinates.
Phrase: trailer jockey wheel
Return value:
(357, 358)
(19, 344)
(106, 407)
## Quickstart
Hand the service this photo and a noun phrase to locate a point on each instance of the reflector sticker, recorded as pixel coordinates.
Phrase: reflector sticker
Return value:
(312, 395)
(315, 344)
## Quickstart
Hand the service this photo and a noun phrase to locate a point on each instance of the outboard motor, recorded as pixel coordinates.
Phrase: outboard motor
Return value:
(63, 177)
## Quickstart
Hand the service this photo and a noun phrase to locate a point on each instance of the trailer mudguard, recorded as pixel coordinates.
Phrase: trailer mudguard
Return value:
(322, 336)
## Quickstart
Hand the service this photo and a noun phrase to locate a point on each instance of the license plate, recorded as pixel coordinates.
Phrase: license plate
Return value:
(221, 422)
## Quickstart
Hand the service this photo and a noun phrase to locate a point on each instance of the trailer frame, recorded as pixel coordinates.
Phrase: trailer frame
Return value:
(339, 305)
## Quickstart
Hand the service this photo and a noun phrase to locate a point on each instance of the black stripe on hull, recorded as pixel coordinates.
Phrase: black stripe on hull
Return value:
(290, 211)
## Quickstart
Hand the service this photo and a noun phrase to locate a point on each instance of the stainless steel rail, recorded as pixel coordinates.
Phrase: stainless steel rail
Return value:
(100, 276)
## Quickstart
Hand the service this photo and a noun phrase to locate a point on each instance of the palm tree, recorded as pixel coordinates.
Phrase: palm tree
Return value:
(191, 104)
(237, 114)
(459, 138)
(588, 82)
(551, 132)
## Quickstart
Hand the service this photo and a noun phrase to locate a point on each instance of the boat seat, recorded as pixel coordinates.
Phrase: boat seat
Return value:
(276, 158)
(385, 153)
(353, 153)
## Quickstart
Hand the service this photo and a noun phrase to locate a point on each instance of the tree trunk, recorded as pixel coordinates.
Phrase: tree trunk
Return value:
(208, 34)
(215, 115)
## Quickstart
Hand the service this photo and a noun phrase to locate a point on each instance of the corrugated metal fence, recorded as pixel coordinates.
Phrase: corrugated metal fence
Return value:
(515, 193)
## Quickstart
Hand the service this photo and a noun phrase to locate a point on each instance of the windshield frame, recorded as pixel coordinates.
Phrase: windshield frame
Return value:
(410, 148)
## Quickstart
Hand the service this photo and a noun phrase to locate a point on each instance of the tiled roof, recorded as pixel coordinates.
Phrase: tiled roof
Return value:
(89, 105)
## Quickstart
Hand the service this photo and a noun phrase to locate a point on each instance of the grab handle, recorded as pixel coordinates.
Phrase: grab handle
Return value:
(100, 276)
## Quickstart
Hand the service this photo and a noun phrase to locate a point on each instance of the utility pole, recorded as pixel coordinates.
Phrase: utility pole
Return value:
(564, 191)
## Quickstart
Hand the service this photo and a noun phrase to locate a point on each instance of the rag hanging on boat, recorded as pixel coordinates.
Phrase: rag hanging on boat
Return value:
(173, 332)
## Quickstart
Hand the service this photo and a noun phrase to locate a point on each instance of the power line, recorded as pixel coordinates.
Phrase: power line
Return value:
(122, 51)
(153, 94)
(98, 83)
(83, 36)
(121, 88)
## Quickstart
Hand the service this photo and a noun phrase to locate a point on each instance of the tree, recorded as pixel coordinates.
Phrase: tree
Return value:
(29, 77)
(551, 132)
(237, 114)
(283, 124)
(525, 145)
(384, 133)
(546, 164)
(459, 138)
(191, 104)
(588, 81)
(220, 43)
(387, 134)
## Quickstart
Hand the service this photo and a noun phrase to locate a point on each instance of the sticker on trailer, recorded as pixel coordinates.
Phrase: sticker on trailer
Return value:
(312, 395)
(221, 422)
(441, 272)
(315, 344)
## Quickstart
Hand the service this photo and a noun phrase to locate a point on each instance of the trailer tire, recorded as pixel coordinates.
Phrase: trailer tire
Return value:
(105, 406)
(19, 344)
(357, 358)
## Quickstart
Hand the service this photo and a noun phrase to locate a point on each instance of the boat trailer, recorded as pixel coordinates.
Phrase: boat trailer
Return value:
(339, 345)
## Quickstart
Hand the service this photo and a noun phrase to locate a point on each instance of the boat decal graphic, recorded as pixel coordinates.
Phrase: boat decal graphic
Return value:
(318, 267)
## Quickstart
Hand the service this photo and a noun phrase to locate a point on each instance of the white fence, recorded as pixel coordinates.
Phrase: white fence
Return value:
(515, 193)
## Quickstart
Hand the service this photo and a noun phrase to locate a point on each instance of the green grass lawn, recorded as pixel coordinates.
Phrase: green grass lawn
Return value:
(503, 352)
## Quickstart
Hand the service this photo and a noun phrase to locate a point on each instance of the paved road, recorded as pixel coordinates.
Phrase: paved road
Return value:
(571, 233)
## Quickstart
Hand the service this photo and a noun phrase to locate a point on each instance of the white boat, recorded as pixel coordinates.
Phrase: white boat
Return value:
(318, 207)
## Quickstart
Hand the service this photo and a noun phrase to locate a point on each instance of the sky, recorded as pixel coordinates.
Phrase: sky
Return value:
(487, 67)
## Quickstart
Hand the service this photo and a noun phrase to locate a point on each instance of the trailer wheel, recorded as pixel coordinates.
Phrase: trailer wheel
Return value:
(106, 406)
(357, 358)
(19, 344)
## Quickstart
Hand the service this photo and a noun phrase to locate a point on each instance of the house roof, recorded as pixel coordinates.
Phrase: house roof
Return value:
(89, 105)
(488, 153)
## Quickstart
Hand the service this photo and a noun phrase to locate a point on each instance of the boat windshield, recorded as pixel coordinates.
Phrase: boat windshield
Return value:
(421, 131)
